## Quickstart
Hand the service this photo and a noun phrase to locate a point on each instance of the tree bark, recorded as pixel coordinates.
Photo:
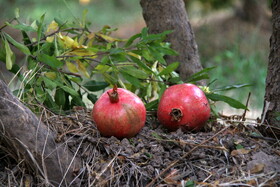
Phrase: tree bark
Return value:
(254, 11)
(271, 112)
(161, 15)
(33, 140)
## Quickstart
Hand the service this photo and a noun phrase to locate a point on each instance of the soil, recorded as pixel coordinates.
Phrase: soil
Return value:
(228, 152)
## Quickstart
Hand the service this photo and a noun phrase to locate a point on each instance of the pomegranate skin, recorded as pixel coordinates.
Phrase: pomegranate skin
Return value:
(183, 106)
(122, 118)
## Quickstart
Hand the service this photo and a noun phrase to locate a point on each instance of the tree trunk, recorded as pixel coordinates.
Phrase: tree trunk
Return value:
(161, 15)
(254, 11)
(33, 140)
(271, 112)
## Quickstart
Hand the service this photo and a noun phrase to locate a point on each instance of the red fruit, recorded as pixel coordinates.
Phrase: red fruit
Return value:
(120, 113)
(183, 106)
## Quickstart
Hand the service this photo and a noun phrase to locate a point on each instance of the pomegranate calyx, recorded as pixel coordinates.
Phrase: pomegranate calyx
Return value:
(114, 95)
(176, 114)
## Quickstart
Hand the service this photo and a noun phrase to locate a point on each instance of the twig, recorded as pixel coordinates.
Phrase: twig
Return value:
(262, 137)
(69, 167)
(44, 147)
(184, 156)
(267, 103)
(59, 137)
(265, 183)
(190, 144)
(247, 102)
(5, 25)
(89, 57)
(104, 169)
(33, 159)
(69, 73)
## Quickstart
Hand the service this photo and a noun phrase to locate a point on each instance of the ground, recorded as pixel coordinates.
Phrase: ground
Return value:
(227, 152)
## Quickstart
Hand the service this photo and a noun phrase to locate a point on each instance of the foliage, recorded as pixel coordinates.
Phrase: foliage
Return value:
(66, 63)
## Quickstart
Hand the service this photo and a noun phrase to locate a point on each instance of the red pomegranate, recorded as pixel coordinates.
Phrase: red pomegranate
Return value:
(183, 106)
(120, 113)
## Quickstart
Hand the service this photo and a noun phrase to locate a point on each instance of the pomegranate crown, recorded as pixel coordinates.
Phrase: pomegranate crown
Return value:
(114, 95)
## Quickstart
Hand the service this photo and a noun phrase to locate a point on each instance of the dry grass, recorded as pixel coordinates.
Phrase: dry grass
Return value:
(156, 157)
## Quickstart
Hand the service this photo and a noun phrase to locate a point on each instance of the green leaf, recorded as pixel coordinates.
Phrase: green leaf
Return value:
(114, 51)
(95, 86)
(26, 39)
(49, 102)
(229, 87)
(49, 83)
(18, 45)
(147, 38)
(152, 105)
(50, 61)
(77, 101)
(40, 29)
(68, 89)
(239, 146)
(31, 63)
(54, 83)
(9, 55)
(2, 52)
(144, 32)
(167, 51)
(84, 18)
(147, 55)
(40, 94)
(131, 39)
(92, 98)
(17, 13)
(22, 27)
(141, 64)
(232, 102)
(133, 71)
(62, 24)
(162, 89)
(134, 81)
(164, 33)
(190, 183)
(157, 55)
(151, 37)
(156, 135)
(175, 80)
(60, 97)
(200, 75)
(169, 68)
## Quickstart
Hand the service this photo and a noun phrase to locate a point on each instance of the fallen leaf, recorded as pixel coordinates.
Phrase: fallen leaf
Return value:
(238, 141)
(277, 152)
(239, 152)
(252, 182)
(27, 182)
(257, 168)
(121, 158)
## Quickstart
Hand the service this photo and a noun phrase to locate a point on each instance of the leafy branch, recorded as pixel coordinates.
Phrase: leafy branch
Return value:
(68, 63)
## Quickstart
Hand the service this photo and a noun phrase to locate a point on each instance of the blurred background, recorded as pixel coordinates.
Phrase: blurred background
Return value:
(232, 35)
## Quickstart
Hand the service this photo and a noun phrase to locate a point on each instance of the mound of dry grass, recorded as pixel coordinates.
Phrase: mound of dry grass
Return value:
(228, 152)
